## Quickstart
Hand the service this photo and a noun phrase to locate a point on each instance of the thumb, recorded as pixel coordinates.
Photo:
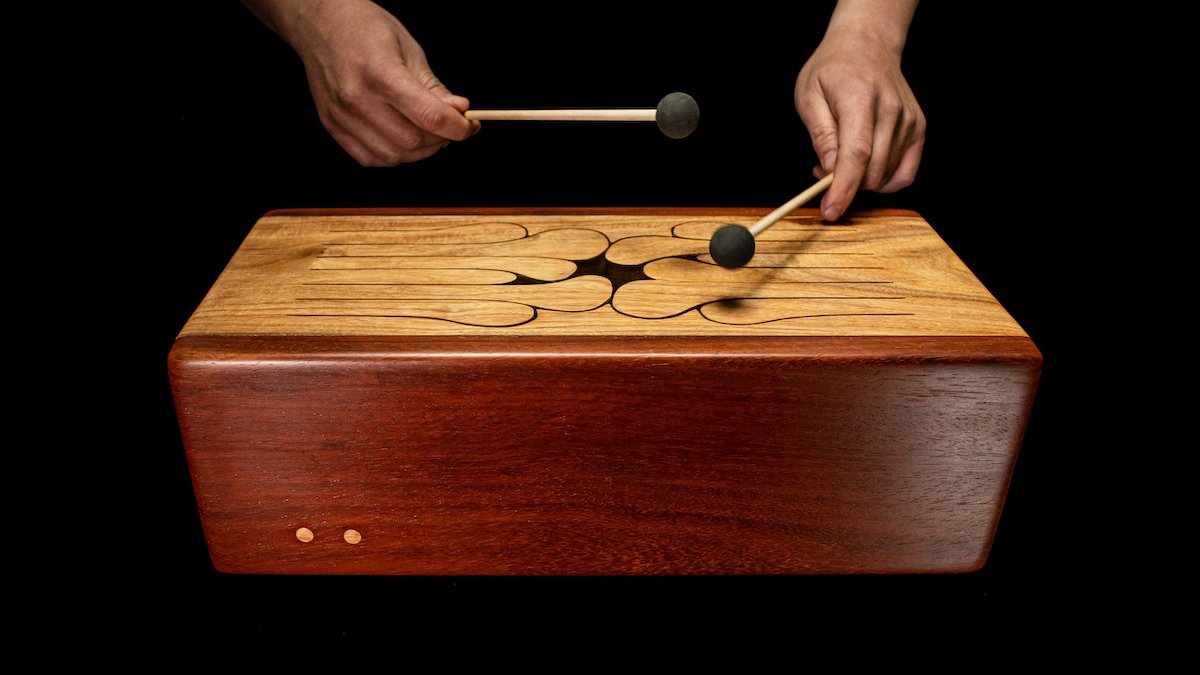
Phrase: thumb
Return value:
(431, 82)
(455, 101)
(435, 87)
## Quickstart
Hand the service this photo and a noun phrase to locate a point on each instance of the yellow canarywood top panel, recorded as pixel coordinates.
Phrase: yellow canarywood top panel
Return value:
(611, 274)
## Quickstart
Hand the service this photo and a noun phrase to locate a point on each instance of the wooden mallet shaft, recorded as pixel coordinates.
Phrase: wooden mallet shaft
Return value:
(733, 245)
(791, 205)
(567, 115)
(677, 115)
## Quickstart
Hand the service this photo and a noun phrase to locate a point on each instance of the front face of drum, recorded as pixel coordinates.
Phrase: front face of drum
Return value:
(588, 393)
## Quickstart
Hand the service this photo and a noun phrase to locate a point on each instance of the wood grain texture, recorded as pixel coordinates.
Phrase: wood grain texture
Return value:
(577, 456)
(614, 273)
(589, 447)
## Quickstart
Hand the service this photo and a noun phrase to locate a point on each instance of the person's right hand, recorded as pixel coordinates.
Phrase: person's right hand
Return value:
(372, 86)
(865, 123)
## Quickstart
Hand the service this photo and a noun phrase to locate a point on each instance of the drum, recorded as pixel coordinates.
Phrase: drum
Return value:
(582, 391)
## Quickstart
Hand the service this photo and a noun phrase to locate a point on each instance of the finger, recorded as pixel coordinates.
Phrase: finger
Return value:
(459, 103)
(462, 105)
(425, 109)
(397, 143)
(907, 150)
(435, 85)
(349, 141)
(382, 133)
(425, 152)
(855, 136)
(822, 128)
(906, 169)
(898, 127)
(885, 146)
(405, 155)
(351, 145)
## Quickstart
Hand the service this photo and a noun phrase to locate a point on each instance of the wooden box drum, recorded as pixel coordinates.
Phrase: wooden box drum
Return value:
(561, 392)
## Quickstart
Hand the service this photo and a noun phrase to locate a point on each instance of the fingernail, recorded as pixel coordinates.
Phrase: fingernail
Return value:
(829, 160)
(829, 213)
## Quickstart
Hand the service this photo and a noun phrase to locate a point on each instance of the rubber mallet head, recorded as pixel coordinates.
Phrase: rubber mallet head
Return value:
(677, 115)
(731, 246)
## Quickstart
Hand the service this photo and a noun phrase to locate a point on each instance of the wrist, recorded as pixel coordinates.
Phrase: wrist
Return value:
(291, 20)
(881, 22)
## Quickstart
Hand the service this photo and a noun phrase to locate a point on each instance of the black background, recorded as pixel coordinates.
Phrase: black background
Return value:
(200, 121)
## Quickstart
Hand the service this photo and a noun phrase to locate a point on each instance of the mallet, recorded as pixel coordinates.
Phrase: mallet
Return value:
(733, 245)
(677, 115)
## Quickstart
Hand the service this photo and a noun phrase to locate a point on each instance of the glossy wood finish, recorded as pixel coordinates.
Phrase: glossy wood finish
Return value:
(618, 274)
(601, 454)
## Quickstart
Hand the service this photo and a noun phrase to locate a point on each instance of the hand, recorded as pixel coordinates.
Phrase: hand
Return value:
(372, 86)
(864, 120)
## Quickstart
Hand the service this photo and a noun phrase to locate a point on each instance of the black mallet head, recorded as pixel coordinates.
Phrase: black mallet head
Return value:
(731, 246)
(677, 115)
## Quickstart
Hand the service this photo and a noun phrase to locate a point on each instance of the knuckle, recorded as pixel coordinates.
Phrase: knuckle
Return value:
(430, 117)
(860, 89)
(367, 160)
(859, 149)
(891, 108)
(407, 140)
(906, 175)
(348, 100)
(392, 156)
(874, 179)
(825, 137)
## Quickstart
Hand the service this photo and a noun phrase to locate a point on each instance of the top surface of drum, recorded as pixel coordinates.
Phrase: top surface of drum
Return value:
(599, 272)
